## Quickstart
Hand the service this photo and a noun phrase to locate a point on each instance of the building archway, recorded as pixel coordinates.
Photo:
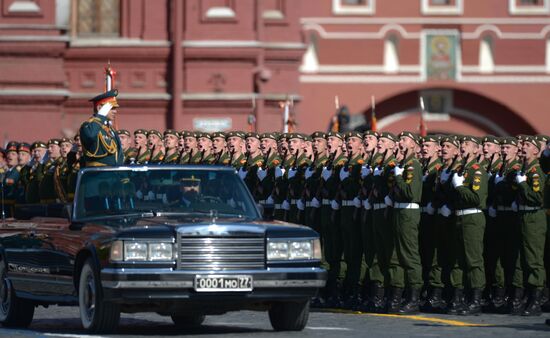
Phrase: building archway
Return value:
(449, 111)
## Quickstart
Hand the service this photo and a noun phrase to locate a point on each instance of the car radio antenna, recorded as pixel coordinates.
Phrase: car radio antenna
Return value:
(2, 175)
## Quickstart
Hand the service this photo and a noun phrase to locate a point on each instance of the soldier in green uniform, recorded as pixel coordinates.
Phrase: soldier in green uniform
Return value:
(431, 164)
(219, 147)
(383, 180)
(11, 178)
(171, 139)
(34, 172)
(23, 159)
(47, 184)
(469, 195)
(405, 267)
(529, 271)
(350, 184)
(330, 216)
(494, 273)
(254, 160)
(312, 177)
(266, 173)
(74, 162)
(100, 142)
(235, 142)
(156, 146)
(191, 153)
(130, 153)
(140, 142)
(280, 190)
(205, 148)
(296, 178)
(62, 171)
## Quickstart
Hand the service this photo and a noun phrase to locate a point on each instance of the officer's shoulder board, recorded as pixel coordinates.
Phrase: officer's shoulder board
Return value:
(476, 166)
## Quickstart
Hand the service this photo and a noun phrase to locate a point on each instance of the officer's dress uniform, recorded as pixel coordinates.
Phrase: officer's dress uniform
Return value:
(312, 197)
(11, 185)
(296, 181)
(266, 184)
(100, 143)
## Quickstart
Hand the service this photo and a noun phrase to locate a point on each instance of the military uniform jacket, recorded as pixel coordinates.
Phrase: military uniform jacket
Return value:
(473, 192)
(296, 183)
(239, 161)
(100, 143)
(281, 183)
(251, 180)
(408, 186)
(442, 194)
(130, 155)
(330, 186)
(223, 159)
(350, 186)
(429, 181)
(144, 157)
(313, 178)
(531, 192)
(34, 175)
(491, 172)
(60, 178)
(265, 187)
(383, 184)
(47, 187)
(11, 184)
(209, 159)
(157, 158)
(366, 182)
(172, 158)
(505, 192)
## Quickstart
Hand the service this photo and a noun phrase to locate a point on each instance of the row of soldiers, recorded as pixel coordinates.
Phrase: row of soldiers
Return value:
(438, 223)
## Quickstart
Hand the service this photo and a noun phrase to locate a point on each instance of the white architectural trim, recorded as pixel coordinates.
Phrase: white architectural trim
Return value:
(547, 68)
(23, 6)
(469, 69)
(241, 44)
(220, 13)
(35, 92)
(456, 9)
(314, 78)
(310, 62)
(363, 69)
(511, 79)
(391, 56)
(422, 20)
(514, 9)
(62, 13)
(486, 55)
(34, 38)
(481, 120)
(513, 36)
(238, 96)
(125, 96)
(117, 42)
(340, 9)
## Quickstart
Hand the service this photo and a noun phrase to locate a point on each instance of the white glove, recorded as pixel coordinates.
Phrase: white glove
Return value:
(279, 172)
(388, 201)
(300, 205)
(326, 173)
(520, 178)
(430, 209)
(309, 172)
(139, 195)
(334, 205)
(378, 171)
(514, 206)
(315, 203)
(489, 174)
(261, 173)
(424, 178)
(159, 196)
(270, 200)
(344, 173)
(398, 171)
(150, 196)
(285, 205)
(445, 211)
(242, 173)
(366, 204)
(457, 180)
(104, 111)
(444, 177)
(232, 203)
(492, 212)
(365, 171)
(292, 172)
(357, 202)
(164, 199)
(499, 178)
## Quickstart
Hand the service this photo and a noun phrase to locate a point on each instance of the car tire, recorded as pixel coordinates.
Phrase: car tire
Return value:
(14, 311)
(188, 321)
(289, 316)
(96, 315)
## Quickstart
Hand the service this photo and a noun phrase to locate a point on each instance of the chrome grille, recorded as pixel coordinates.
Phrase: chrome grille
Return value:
(221, 254)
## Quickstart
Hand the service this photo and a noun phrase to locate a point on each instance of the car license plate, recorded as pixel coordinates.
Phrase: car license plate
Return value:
(218, 283)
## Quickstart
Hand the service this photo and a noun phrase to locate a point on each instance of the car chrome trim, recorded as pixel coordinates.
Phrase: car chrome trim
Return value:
(298, 283)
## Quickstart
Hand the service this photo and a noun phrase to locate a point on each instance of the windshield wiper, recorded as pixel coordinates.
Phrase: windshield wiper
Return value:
(203, 213)
(142, 214)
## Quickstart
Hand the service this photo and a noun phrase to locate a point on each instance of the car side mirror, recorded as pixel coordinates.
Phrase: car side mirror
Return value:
(68, 213)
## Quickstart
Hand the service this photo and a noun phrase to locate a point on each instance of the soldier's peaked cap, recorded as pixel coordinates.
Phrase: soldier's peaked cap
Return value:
(318, 134)
(450, 139)
(218, 134)
(388, 135)
(25, 147)
(155, 132)
(38, 144)
(12, 146)
(510, 140)
(410, 135)
(107, 97)
(491, 139)
(123, 132)
(141, 131)
(533, 140)
(470, 138)
(370, 133)
(357, 134)
(271, 135)
(431, 138)
(335, 134)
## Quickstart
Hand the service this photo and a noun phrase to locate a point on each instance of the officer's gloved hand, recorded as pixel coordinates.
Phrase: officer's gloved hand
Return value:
(139, 195)
(270, 200)
(457, 180)
(300, 205)
(326, 173)
(388, 201)
(444, 177)
(430, 210)
(315, 203)
(367, 205)
(292, 172)
(445, 211)
(499, 178)
(279, 172)
(344, 173)
(261, 173)
(285, 205)
(514, 206)
(334, 205)
(492, 212)
(398, 171)
(309, 172)
(378, 171)
(520, 178)
(242, 173)
(357, 202)
(365, 171)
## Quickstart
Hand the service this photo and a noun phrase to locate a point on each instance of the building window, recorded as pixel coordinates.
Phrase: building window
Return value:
(353, 7)
(442, 7)
(486, 55)
(529, 7)
(98, 18)
(391, 54)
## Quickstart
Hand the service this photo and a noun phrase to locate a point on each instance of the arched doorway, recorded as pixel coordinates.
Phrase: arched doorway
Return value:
(449, 111)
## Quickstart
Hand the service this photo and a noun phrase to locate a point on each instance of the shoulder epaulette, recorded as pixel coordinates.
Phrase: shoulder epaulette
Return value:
(475, 166)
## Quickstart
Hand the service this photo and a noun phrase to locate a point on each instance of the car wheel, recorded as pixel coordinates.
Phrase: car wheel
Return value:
(188, 321)
(14, 311)
(96, 315)
(289, 316)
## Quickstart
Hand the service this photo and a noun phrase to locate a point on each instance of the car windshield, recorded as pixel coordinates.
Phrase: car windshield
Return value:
(166, 191)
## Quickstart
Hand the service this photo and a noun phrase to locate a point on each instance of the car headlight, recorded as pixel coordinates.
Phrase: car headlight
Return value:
(141, 251)
(293, 249)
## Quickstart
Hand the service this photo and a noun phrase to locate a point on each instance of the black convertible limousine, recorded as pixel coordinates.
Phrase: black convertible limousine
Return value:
(182, 241)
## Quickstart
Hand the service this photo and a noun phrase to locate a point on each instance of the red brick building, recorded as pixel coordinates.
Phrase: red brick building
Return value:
(481, 66)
